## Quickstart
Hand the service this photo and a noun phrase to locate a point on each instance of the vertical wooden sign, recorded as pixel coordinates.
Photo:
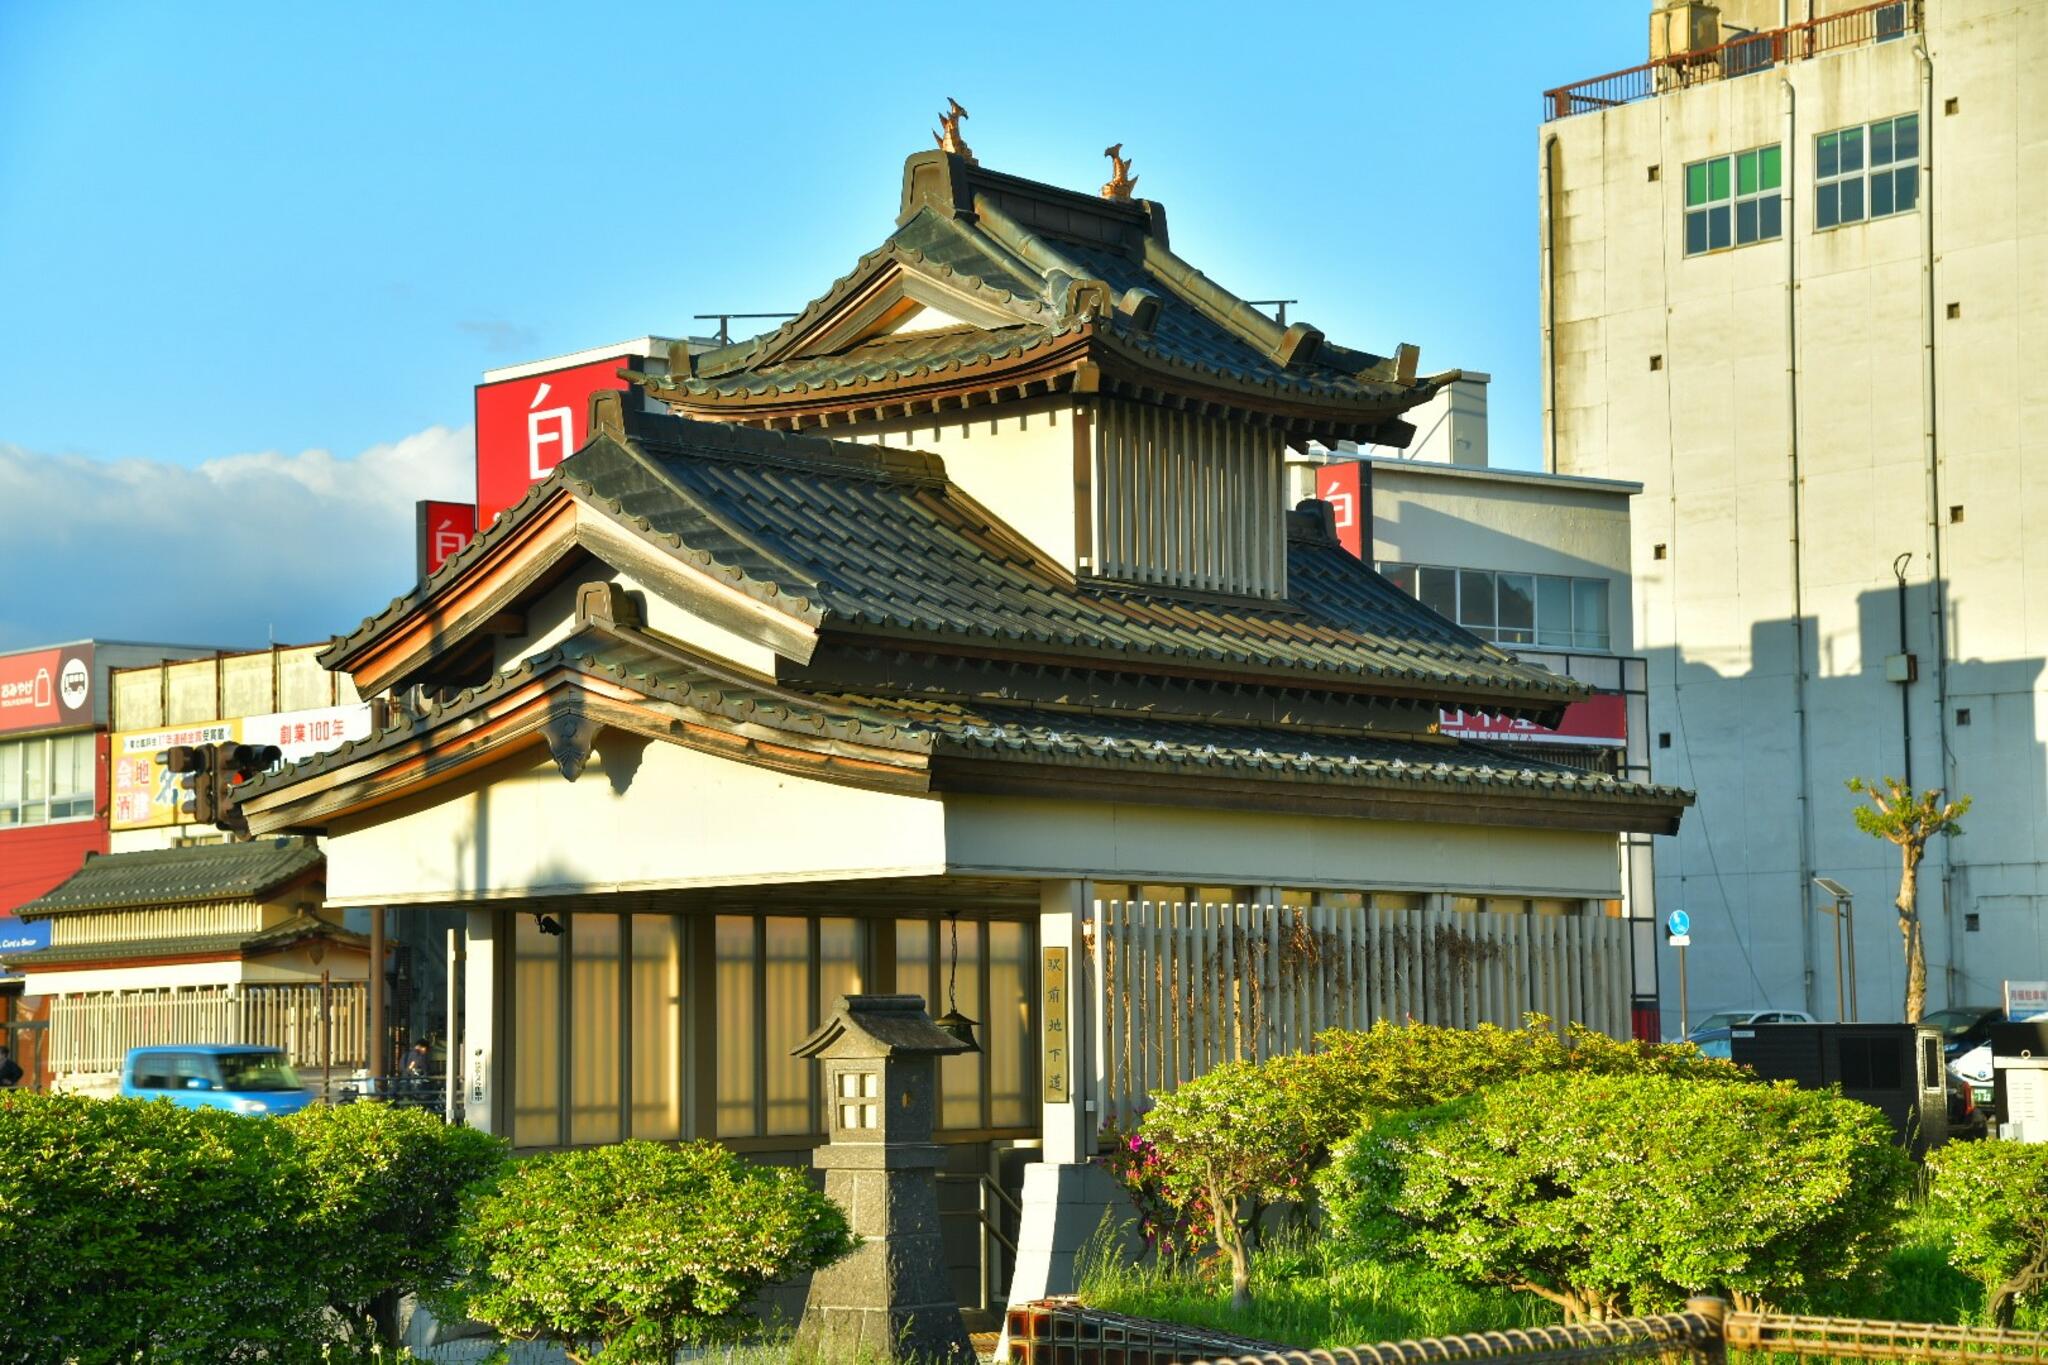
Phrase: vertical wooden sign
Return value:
(1056, 1063)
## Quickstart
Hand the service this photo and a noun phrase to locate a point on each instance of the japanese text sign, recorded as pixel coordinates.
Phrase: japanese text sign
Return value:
(1057, 1063)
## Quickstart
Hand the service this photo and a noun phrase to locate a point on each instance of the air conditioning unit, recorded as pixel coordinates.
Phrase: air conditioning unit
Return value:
(1688, 26)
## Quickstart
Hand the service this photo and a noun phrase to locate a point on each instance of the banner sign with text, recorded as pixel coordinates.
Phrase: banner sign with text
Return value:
(146, 794)
(527, 426)
(45, 688)
(1600, 721)
(1340, 485)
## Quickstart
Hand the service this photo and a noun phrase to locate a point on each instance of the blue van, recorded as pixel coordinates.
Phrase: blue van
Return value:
(244, 1078)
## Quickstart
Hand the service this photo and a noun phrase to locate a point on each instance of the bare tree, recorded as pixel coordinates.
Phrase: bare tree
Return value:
(1898, 815)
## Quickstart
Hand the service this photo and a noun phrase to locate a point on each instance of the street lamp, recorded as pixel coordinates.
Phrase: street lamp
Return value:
(1843, 911)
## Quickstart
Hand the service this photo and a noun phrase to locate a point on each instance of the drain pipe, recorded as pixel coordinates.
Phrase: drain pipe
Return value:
(1792, 484)
(1937, 604)
(1905, 683)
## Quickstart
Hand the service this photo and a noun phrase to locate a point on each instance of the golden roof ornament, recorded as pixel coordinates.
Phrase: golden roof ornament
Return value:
(1121, 181)
(950, 140)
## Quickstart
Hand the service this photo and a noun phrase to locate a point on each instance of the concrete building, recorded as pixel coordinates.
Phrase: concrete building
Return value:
(1795, 270)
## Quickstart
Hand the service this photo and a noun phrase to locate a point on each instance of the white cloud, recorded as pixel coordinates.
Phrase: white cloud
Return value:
(235, 550)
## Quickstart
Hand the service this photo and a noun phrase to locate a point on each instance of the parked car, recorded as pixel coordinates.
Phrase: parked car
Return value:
(1969, 1052)
(241, 1078)
(1728, 1019)
(1714, 1042)
(1964, 1027)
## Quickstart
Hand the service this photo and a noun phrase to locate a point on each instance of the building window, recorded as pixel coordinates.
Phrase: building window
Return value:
(1547, 611)
(1733, 200)
(1870, 171)
(46, 779)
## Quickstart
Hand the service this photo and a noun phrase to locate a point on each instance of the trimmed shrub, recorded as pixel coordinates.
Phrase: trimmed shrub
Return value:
(1989, 1202)
(1219, 1149)
(640, 1247)
(1626, 1193)
(384, 1188)
(145, 1231)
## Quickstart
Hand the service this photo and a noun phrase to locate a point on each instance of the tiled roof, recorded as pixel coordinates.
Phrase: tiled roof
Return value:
(651, 673)
(290, 931)
(1131, 741)
(178, 876)
(879, 543)
(1138, 741)
(1199, 329)
(875, 540)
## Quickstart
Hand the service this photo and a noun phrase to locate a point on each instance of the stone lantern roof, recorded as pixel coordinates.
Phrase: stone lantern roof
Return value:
(879, 1026)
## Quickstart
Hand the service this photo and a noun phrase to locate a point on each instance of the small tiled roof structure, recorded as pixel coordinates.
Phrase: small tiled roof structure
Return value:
(1054, 287)
(876, 543)
(200, 874)
(297, 929)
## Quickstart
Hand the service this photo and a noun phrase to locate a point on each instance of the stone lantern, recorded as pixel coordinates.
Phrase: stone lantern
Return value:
(890, 1298)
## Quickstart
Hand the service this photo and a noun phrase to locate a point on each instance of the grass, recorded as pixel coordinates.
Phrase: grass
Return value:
(1303, 1296)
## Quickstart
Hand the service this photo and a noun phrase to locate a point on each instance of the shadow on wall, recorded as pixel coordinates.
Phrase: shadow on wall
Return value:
(1761, 939)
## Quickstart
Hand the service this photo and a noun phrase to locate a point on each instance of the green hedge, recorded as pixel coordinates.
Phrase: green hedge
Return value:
(1989, 1202)
(640, 1247)
(1220, 1148)
(143, 1230)
(1626, 1193)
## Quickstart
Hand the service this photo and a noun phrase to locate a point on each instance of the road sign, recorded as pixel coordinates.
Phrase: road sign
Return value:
(1678, 924)
(1680, 940)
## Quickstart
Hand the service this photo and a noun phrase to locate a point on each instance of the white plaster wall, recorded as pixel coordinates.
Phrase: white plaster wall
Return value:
(1119, 841)
(551, 619)
(641, 816)
(1019, 465)
(1706, 434)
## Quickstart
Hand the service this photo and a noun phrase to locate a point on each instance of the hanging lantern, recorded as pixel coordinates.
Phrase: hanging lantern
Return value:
(953, 1022)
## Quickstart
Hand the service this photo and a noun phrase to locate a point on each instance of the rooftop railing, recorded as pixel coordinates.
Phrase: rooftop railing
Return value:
(1745, 54)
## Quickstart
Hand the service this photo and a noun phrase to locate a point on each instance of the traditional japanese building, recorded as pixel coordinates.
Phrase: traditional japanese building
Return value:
(1023, 695)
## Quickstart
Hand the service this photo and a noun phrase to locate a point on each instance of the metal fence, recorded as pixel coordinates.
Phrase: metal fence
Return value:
(1742, 55)
(1187, 985)
(1706, 1332)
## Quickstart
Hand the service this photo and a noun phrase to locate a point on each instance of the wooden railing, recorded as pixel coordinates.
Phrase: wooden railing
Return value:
(91, 1033)
(1185, 986)
(1742, 55)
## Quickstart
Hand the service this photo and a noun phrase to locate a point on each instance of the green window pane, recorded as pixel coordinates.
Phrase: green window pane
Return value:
(1696, 183)
(1717, 178)
(1769, 167)
(1828, 153)
(1745, 173)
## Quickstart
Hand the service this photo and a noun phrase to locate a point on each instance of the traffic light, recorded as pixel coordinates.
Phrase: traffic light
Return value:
(195, 761)
(232, 765)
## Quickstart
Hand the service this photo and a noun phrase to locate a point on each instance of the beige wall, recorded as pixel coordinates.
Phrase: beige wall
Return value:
(1500, 519)
(1707, 433)
(1130, 842)
(1019, 465)
(642, 815)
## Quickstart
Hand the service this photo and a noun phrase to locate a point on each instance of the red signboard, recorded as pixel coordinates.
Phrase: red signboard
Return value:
(1598, 721)
(527, 426)
(443, 529)
(45, 688)
(1338, 484)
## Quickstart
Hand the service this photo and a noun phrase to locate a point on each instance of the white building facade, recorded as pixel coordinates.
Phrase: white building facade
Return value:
(1793, 282)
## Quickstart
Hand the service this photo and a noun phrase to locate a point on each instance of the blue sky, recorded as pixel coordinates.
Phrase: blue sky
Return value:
(253, 258)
